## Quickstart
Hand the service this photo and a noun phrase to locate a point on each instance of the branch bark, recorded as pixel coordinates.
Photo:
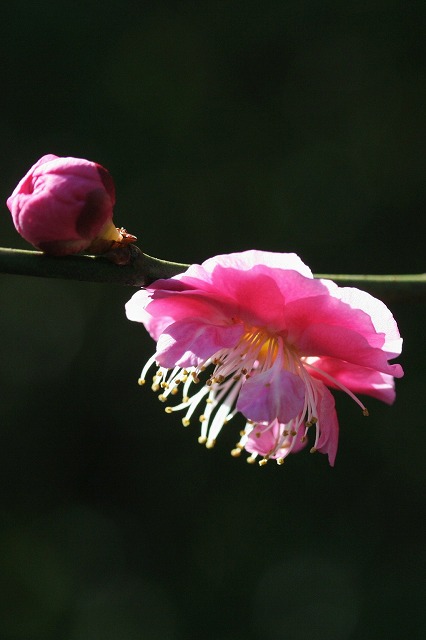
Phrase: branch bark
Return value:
(142, 270)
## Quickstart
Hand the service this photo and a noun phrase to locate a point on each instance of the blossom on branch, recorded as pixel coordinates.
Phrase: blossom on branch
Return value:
(65, 206)
(255, 333)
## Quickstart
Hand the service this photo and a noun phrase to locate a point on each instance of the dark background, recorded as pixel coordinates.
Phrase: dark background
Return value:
(281, 125)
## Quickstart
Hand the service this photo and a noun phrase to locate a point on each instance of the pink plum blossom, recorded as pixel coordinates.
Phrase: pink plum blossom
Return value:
(65, 205)
(269, 340)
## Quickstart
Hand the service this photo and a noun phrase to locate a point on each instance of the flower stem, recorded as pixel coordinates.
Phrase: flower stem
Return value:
(142, 270)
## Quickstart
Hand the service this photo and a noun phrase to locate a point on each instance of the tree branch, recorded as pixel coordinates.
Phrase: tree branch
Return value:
(142, 270)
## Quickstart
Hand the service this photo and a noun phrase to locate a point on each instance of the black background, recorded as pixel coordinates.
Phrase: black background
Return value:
(284, 126)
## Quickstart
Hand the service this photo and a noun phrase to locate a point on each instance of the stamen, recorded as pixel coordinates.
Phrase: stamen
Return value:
(257, 351)
(145, 369)
(339, 385)
(223, 415)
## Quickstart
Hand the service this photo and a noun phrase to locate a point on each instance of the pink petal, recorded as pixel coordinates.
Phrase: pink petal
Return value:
(325, 326)
(263, 439)
(256, 296)
(263, 293)
(328, 425)
(381, 317)
(189, 343)
(257, 282)
(193, 304)
(360, 380)
(346, 345)
(270, 395)
(246, 260)
(136, 310)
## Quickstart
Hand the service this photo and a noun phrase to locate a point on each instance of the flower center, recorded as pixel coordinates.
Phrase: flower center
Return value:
(256, 352)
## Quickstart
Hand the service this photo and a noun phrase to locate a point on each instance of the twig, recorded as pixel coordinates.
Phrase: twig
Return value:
(142, 270)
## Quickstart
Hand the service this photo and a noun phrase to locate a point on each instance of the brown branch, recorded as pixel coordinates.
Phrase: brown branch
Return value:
(141, 270)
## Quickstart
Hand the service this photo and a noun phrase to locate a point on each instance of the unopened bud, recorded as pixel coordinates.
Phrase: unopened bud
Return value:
(65, 206)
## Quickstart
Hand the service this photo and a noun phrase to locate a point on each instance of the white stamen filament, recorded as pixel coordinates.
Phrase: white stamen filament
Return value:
(339, 385)
(256, 352)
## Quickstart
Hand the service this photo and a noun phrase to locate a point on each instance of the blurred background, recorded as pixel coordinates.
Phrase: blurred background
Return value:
(283, 126)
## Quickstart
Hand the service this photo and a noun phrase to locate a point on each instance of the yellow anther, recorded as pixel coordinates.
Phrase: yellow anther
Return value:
(365, 412)
(141, 381)
(202, 418)
(186, 422)
(155, 387)
(162, 398)
(210, 444)
(280, 461)
(168, 409)
(313, 450)
(251, 459)
(235, 452)
(263, 462)
(202, 440)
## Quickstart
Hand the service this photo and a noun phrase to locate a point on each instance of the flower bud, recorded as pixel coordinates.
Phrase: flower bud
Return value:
(65, 206)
